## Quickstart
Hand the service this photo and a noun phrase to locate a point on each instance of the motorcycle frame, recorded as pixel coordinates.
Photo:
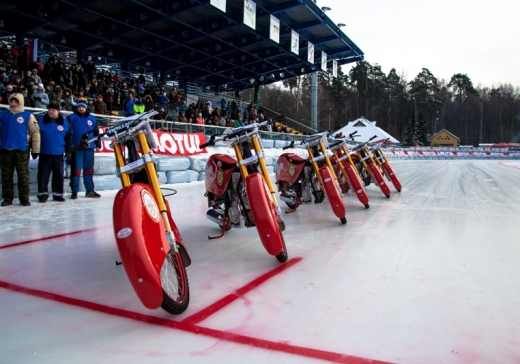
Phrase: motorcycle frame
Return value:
(257, 158)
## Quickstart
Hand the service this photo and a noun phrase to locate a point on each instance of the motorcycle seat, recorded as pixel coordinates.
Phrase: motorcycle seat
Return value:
(225, 159)
(295, 158)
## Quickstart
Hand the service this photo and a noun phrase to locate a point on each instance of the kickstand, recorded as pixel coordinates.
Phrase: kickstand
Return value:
(297, 203)
(224, 223)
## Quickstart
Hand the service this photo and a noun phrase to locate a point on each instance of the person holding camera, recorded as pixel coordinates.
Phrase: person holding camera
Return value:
(40, 98)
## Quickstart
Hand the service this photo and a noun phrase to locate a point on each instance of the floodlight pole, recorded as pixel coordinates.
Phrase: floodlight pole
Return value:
(415, 128)
(314, 101)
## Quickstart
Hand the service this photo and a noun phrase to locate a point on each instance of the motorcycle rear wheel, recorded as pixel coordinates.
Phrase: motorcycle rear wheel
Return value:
(175, 287)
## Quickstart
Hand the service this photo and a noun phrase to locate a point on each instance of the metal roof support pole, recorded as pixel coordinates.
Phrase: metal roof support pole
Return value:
(314, 101)
(257, 94)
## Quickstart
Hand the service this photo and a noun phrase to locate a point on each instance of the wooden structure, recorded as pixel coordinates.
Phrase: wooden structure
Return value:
(444, 139)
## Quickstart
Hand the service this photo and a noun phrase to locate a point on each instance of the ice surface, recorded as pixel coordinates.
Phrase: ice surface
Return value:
(430, 275)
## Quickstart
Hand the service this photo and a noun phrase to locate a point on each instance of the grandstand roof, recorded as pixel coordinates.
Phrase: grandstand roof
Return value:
(189, 40)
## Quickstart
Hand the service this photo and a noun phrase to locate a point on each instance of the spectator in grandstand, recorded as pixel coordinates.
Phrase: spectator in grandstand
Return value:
(14, 76)
(148, 103)
(99, 106)
(129, 106)
(81, 121)
(68, 100)
(40, 98)
(54, 92)
(81, 96)
(37, 78)
(3, 78)
(4, 53)
(199, 119)
(90, 70)
(182, 117)
(28, 81)
(94, 89)
(8, 92)
(55, 141)
(90, 106)
(139, 106)
(124, 94)
(108, 97)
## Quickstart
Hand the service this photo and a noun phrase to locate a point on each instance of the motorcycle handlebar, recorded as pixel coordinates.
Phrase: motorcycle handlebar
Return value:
(291, 145)
(211, 142)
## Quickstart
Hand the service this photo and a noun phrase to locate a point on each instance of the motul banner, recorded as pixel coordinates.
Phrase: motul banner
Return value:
(177, 144)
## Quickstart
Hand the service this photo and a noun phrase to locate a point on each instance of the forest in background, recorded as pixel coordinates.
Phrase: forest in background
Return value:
(420, 107)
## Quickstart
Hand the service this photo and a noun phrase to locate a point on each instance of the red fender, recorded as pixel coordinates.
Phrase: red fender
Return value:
(332, 192)
(141, 241)
(379, 179)
(264, 213)
(356, 184)
(390, 173)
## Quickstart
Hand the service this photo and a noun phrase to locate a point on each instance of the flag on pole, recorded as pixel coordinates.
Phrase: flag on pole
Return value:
(32, 51)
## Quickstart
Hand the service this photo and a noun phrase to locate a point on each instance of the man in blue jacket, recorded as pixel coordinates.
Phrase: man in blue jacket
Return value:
(55, 140)
(81, 122)
(15, 127)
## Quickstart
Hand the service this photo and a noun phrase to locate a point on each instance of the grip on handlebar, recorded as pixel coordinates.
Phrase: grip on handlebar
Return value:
(291, 145)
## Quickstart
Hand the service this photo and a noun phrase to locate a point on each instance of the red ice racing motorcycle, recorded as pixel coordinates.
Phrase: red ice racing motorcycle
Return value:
(384, 165)
(368, 167)
(240, 192)
(150, 245)
(346, 170)
(301, 179)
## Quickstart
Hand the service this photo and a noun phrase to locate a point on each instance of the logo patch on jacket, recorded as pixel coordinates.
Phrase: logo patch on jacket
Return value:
(60, 128)
(20, 120)
(89, 122)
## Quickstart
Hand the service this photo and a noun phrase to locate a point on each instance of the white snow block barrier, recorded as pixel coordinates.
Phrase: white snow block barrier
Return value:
(106, 182)
(202, 176)
(198, 164)
(280, 143)
(104, 165)
(268, 143)
(270, 169)
(270, 161)
(182, 176)
(165, 164)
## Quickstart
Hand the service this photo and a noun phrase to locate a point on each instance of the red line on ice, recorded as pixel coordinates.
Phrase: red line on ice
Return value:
(223, 302)
(49, 238)
(194, 329)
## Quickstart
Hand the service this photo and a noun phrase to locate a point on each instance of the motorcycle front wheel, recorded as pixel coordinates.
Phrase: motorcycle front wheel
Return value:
(174, 281)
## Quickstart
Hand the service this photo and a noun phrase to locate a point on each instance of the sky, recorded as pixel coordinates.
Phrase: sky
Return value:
(478, 38)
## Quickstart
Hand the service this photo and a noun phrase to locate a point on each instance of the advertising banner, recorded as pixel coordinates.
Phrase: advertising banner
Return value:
(310, 52)
(175, 144)
(219, 4)
(250, 13)
(274, 32)
(323, 61)
(295, 42)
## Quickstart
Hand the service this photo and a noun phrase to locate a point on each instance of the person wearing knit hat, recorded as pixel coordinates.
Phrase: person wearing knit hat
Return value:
(54, 142)
(40, 97)
(83, 122)
(81, 103)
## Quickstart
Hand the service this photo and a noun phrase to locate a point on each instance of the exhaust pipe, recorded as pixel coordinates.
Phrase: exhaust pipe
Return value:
(287, 198)
(215, 216)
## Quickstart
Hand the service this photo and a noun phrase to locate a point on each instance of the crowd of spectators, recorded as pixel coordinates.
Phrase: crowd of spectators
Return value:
(106, 93)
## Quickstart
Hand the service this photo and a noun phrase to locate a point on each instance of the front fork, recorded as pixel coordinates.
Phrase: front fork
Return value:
(152, 179)
(263, 168)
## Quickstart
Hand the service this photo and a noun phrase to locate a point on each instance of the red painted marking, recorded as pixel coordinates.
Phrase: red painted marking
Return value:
(49, 238)
(195, 329)
(223, 302)
(507, 165)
